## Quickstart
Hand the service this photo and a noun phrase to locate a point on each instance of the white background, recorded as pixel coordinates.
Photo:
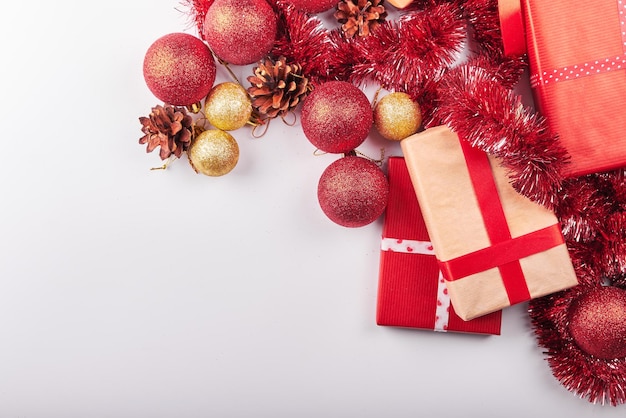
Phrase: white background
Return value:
(126, 292)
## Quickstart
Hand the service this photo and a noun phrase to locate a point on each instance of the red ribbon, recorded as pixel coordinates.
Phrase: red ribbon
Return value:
(512, 27)
(505, 251)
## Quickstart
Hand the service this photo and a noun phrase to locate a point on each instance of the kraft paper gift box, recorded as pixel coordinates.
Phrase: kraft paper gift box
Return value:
(400, 4)
(412, 292)
(494, 246)
(577, 56)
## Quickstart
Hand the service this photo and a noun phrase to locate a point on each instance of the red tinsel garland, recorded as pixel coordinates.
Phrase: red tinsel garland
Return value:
(417, 54)
(483, 16)
(303, 39)
(401, 54)
(598, 380)
(592, 212)
(482, 111)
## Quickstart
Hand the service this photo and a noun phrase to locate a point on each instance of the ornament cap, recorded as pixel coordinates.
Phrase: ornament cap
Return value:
(195, 107)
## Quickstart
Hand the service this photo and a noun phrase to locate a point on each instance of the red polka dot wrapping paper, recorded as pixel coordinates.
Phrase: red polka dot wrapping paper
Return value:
(411, 291)
(577, 56)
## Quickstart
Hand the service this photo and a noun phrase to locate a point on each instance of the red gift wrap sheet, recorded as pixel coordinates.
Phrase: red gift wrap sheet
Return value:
(577, 56)
(412, 292)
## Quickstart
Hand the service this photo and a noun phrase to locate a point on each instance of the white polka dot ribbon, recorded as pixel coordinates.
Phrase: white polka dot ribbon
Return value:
(442, 315)
(587, 68)
(442, 312)
(407, 246)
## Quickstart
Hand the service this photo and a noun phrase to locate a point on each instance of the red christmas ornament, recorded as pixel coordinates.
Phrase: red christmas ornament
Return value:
(353, 191)
(179, 69)
(337, 117)
(597, 322)
(240, 32)
(313, 6)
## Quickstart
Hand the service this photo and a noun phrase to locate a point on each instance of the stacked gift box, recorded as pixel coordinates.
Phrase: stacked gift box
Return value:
(457, 234)
(454, 224)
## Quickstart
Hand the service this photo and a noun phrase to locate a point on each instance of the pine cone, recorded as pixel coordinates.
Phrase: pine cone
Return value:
(168, 127)
(277, 87)
(360, 17)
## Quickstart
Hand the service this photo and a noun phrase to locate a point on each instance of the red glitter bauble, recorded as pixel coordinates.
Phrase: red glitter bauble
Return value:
(597, 322)
(353, 191)
(240, 32)
(313, 6)
(337, 117)
(179, 69)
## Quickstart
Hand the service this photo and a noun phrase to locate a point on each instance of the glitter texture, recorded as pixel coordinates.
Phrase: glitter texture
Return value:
(597, 322)
(353, 191)
(240, 32)
(313, 6)
(179, 69)
(213, 153)
(396, 116)
(336, 117)
(228, 106)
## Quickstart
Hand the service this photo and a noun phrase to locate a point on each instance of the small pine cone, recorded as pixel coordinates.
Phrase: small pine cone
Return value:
(360, 17)
(277, 87)
(168, 127)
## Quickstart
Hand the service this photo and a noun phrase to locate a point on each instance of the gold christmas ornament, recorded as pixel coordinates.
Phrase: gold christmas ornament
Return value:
(228, 106)
(213, 153)
(397, 116)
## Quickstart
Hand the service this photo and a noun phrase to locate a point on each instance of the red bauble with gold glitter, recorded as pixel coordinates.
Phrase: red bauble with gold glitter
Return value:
(313, 6)
(336, 117)
(597, 322)
(179, 69)
(353, 191)
(240, 32)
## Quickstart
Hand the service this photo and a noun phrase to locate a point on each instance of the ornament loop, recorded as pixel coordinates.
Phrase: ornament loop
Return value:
(289, 123)
(378, 162)
(165, 164)
(226, 66)
(265, 124)
(375, 98)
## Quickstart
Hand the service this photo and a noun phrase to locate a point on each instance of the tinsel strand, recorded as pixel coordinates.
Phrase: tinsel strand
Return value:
(491, 117)
(196, 11)
(303, 39)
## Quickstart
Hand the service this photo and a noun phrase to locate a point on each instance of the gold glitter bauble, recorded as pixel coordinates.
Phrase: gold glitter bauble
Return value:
(397, 116)
(213, 153)
(228, 106)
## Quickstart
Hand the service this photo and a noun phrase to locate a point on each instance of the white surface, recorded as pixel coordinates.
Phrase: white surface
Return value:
(126, 292)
